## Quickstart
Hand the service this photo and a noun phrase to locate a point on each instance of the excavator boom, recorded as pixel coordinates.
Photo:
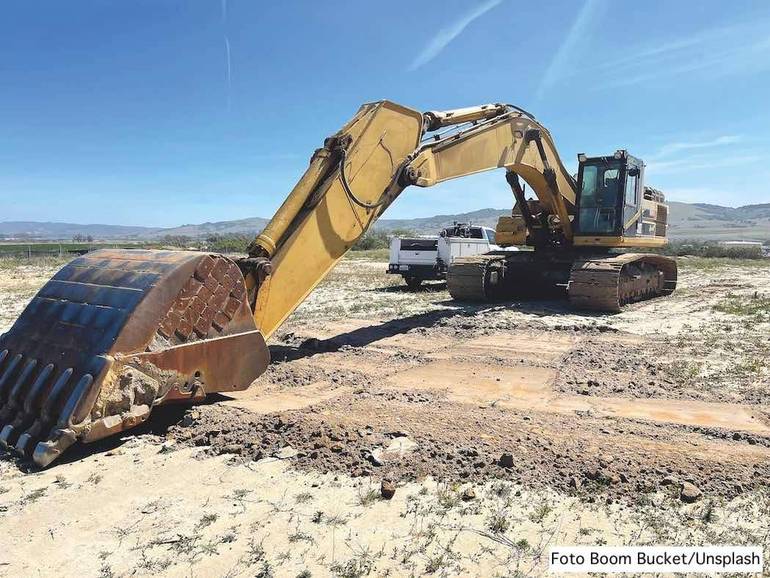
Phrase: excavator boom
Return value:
(117, 332)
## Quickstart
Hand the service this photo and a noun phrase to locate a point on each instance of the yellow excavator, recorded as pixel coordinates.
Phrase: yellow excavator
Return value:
(117, 332)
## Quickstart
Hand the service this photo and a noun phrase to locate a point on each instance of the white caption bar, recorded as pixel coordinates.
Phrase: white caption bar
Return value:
(615, 559)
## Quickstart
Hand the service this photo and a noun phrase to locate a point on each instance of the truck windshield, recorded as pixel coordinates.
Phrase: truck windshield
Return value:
(599, 198)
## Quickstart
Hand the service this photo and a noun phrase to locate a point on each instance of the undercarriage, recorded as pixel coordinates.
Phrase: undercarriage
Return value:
(590, 280)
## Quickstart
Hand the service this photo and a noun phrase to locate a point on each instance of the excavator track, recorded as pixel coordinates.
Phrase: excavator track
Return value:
(468, 279)
(607, 283)
(595, 282)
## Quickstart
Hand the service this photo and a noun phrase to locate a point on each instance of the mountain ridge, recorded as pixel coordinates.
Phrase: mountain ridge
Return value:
(687, 221)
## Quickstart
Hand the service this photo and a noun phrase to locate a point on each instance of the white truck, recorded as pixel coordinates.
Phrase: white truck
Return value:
(417, 259)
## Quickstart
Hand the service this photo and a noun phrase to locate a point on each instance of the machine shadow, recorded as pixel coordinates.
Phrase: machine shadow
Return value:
(161, 419)
(425, 288)
(164, 417)
(364, 336)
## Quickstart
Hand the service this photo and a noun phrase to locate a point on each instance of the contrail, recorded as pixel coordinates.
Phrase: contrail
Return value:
(447, 34)
(227, 54)
(568, 50)
(229, 70)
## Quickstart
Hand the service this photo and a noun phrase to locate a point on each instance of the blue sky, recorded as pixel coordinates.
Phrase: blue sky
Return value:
(164, 112)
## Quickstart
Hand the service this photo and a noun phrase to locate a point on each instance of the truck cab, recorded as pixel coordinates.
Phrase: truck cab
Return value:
(418, 259)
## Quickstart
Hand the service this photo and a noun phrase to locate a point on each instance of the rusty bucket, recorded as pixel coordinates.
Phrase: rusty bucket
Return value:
(117, 332)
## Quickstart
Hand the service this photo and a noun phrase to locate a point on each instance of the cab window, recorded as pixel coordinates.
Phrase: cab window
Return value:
(631, 190)
(599, 198)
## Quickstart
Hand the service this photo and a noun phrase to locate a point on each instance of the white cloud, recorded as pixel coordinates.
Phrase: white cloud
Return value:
(699, 195)
(715, 53)
(671, 148)
(703, 163)
(704, 154)
(568, 51)
(447, 34)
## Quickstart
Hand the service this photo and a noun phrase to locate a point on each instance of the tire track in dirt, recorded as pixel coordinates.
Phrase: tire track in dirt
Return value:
(467, 398)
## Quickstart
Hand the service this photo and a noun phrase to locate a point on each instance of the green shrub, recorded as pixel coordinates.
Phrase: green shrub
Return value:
(711, 249)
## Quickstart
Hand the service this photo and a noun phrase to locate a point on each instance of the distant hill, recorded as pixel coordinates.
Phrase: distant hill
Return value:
(251, 226)
(427, 225)
(702, 221)
(688, 221)
(65, 231)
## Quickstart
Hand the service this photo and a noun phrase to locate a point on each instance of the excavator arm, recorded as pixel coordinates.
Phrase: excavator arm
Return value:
(322, 217)
(117, 332)
(513, 141)
(363, 168)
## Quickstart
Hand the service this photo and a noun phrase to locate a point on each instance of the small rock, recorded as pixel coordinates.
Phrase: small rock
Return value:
(401, 445)
(469, 494)
(605, 461)
(337, 447)
(286, 453)
(387, 489)
(669, 481)
(167, 446)
(574, 482)
(506, 461)
(375, 458)
(690, 493)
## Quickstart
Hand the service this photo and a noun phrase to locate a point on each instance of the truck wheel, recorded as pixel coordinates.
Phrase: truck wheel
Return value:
(413, 282)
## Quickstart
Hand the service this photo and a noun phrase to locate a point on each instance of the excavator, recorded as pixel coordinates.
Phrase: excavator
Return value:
(117, 332)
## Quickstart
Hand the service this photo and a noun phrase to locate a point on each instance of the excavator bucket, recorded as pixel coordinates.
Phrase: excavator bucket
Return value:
(117, 332)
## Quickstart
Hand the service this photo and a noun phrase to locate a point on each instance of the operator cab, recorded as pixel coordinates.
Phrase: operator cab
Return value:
(609, 194)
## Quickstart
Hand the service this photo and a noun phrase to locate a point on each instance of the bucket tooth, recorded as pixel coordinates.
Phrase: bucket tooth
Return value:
(8, 373)
(62, 435)
(117, 332)
(12, 414)
(25, 374)
(39, 421)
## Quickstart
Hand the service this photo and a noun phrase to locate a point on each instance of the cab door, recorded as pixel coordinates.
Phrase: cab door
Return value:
(600, 208)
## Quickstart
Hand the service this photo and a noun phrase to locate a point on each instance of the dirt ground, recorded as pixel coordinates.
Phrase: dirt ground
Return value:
(506, 429)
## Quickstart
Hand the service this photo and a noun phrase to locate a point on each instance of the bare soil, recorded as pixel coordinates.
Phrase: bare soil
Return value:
(597, 420)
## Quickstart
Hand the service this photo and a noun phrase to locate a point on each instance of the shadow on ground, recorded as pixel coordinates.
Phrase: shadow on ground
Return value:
(424, 288)
(451, 309)
(161, 420)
